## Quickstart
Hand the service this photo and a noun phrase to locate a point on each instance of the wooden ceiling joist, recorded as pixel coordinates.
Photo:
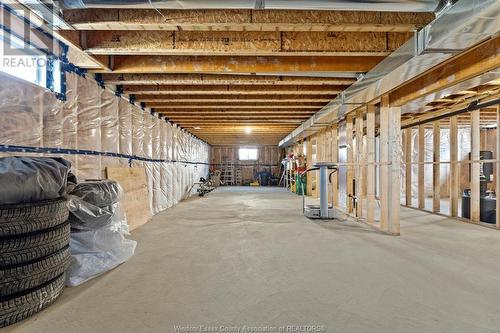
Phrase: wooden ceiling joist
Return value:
(320, 44)
(247, 98)
(211, 79)
(234, 105)
(244, 20)
(235, 116)
(231, 90)
(217, 72)
(195, 111)
(242, 64)
(195, 122)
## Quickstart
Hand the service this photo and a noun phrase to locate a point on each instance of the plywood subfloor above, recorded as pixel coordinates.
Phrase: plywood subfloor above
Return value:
(217, 69)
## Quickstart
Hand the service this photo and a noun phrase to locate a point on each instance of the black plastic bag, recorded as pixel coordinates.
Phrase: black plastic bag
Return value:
(32, 179)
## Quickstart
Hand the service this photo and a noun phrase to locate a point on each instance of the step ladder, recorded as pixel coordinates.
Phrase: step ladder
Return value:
(227, 173)
(238, 177)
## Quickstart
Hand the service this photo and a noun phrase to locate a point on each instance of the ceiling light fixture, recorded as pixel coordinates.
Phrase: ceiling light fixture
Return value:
(248, 130)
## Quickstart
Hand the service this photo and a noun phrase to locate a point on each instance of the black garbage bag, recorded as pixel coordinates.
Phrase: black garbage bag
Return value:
(94, 204)
(32, 179)
(100, 193)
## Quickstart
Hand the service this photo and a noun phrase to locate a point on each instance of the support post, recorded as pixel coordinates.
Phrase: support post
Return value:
(436, 182)
(390, 168)
(370, 160)
(360, 163)
(335, 158)
(421, 166)
(350, 159)
(309, 163)
(497, 174)
(454, 167)
(408, 154)
(475, 167)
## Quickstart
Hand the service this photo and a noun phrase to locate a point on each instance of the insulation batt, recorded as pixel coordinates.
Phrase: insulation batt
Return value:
(94, 118)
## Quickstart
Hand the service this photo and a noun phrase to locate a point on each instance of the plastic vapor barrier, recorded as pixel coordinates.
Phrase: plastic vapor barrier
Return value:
(464, 147)
(70, 117)
(94, 119)
(89, 127)
(110, 135)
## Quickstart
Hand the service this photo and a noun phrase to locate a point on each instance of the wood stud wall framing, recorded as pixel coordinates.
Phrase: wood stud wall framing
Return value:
(396, 150)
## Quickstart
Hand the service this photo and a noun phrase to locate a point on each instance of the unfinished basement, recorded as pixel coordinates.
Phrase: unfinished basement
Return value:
(249, 166)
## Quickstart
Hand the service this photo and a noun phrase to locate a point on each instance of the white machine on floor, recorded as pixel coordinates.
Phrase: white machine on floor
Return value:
(323, 210)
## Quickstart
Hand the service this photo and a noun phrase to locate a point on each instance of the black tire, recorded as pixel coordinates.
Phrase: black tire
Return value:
(20, 306)
(20, 249)
(27, 276)
(30, 217)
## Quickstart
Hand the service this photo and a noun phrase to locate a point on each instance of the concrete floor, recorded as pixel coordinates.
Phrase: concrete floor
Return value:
(246, 256)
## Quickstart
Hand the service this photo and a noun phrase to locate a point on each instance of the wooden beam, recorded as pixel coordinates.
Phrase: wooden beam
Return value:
(475, 167)
(229, 112)
(481, 59)
(390, 171)
(384, 159)
(239, 122)
(370, 160)
(224, 79)
(224, 43)
(262, 127)
(436, 174)
(309, 162)
(462, 104)
(360, 159)
(421, 166)
(231, 98)
(236, 116)
(350, 158)
(408, 152)
(234, 101)
(234, 105)
(242, 64)
(286, 114)
(454, 168)
(335, 158)
(395, 153)
(244, 20)
(237, 133)
(229, 89)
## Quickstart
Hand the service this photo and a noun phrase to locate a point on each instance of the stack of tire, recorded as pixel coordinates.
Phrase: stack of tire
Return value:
(34, 255)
